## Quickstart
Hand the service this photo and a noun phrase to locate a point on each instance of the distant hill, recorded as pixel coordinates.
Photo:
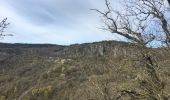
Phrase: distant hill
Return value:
(16, 45)
(89, 71)
(59, 50)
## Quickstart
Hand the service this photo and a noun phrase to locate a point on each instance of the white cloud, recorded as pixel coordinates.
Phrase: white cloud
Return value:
(72, 22)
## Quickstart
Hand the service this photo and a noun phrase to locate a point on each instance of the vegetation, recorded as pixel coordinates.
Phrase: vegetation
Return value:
(24, 74)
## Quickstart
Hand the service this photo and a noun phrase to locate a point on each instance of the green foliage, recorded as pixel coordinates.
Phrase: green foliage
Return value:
(62, 71)
(2, 97)
(43, 91)
(49, 73)
(35, 92)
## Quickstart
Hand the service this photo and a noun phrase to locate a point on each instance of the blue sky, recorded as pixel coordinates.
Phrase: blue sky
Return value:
(54, 21)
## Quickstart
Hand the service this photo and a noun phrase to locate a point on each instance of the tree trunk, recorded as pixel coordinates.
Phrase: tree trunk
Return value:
(169, 2)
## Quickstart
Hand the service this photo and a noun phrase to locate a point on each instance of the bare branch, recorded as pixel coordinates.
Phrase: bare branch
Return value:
(137, 23)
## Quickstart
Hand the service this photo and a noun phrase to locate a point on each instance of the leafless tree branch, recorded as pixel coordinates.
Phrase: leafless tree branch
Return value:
(3, 26)
(136, 24)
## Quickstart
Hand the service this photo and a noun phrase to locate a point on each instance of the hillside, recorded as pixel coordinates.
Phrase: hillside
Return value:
(90, 71)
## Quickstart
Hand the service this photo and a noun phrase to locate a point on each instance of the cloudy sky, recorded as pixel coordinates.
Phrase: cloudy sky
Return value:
(54, 21)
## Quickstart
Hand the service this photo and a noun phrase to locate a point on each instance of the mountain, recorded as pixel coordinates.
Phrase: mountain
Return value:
(90, 71)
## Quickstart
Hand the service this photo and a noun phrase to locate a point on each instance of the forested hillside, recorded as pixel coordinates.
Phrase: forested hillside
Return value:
(91, 71)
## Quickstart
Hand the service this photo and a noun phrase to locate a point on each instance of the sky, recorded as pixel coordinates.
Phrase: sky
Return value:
(61, 22)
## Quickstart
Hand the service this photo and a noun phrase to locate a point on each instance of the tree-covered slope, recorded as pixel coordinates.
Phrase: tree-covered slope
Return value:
(91, 71)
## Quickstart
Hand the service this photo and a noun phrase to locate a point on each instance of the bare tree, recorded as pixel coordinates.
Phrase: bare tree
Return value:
(3, 26)
(140, 22)
(154, 11)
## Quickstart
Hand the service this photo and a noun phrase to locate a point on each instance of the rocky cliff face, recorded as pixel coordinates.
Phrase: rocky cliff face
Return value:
(77, 50)
(97, 49)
